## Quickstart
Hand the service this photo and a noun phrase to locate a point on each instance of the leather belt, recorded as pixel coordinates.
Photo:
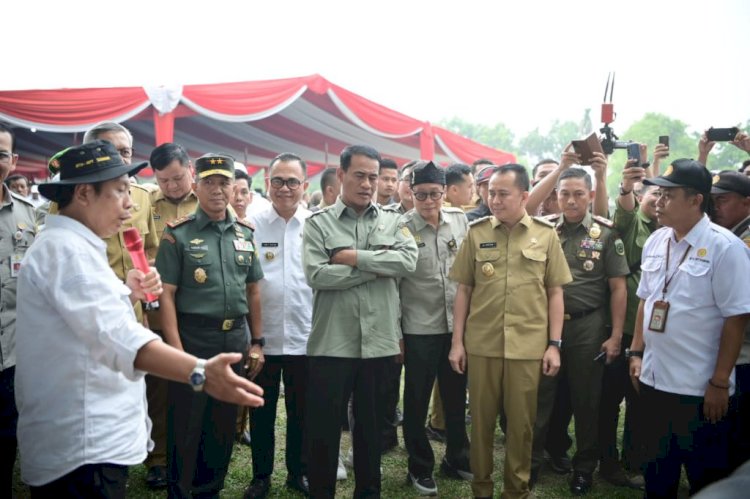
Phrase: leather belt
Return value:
(212, 322)
(578, 315)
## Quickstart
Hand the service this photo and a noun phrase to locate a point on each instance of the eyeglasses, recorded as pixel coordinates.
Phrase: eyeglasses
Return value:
(434, 195)
(292, 183)
(126, 152)
(6, 157)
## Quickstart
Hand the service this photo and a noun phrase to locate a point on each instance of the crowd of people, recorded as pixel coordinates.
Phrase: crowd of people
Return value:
(529, 299)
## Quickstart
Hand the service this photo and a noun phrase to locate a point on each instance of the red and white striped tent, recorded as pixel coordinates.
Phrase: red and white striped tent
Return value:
(252, 121)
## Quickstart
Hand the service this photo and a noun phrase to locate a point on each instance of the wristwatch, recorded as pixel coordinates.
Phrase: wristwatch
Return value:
(623, 192)
(629, 354)
(198, 375)
(258, 341)
(555, 343)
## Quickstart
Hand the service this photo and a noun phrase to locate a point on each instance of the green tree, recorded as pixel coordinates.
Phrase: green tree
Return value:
(498, 135)
(537, 145)
(725, 156)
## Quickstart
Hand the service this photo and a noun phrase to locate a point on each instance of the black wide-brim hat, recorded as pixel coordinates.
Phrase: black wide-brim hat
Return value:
(89, 163)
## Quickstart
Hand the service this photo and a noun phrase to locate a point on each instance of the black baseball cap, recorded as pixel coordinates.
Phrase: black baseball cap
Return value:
(731, 181)
(96, 161)
(684, 173)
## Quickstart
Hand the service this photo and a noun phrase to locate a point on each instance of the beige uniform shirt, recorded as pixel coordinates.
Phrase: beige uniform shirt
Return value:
(509, 271)
(427, 295)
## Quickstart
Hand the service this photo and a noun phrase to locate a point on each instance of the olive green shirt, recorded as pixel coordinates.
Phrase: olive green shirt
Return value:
(17, 232)
(427, 295)
(356, 309)
(510, 272)
(211, 263)
(634, 228)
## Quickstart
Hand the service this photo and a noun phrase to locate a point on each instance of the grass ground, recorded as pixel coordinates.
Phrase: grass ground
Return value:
(393, 483)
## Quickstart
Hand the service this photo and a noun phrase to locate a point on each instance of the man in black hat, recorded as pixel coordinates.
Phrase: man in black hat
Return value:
(90, 371)
(731, 196)
(688, 333)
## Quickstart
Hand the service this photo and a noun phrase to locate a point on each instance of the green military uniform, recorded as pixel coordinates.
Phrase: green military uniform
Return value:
(211, 263)
(506, 336)
(594, 253)
(163, 211)
(427, 298)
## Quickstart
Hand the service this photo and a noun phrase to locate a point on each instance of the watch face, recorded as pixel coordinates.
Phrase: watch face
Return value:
(197, 379)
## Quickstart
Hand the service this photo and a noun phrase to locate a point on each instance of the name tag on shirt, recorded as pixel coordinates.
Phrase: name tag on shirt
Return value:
(269, 245)
(488, 245)
(242, 245)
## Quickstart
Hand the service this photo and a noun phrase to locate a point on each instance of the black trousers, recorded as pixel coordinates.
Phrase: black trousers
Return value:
(293, 369)
(331, 381)
(425, 357)
(200, 429)
(8, 423)
(616, 385)
(677, 434)
(739, 447)
(100, 481)
(390, 394)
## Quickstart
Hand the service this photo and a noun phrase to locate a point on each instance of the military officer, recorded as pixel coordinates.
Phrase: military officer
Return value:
(507, 321)
(17, 232)
(426, 320)
(172, 200)
(210, 270)
(596, 257)
(353, 254)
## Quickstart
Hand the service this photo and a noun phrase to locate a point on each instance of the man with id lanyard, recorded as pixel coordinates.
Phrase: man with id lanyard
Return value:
(688, 333)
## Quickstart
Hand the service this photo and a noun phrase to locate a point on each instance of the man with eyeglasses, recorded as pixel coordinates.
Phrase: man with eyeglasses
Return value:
(426, 322)
(17, 231)
(507, 323)
(286, 302)
(354, 252)
(210, 272)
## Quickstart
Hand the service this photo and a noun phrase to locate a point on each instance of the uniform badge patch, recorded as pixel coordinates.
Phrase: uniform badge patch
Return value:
(242, 245)
(200, 275)
(588, 265)
(619, 247)
(702, 252)
(196, 241)
(488, 269)
(405, 231)
(270, 256)
(595, 231)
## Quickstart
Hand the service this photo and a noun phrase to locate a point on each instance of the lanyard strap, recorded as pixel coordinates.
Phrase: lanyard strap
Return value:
(666, 270)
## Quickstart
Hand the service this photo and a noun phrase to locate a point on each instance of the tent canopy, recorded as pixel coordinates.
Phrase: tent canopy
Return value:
(252, 121)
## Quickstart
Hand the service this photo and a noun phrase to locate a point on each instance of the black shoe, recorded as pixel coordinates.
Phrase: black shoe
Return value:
(434, 434)
(613, 473)
(244, 438)
(299, 483)
(560, 464)
(258, 488)
(425, 486)
(581, 483)
(156, 478)
(460, 471)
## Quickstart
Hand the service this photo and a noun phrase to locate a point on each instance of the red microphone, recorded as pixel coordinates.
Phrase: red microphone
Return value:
(134, 244)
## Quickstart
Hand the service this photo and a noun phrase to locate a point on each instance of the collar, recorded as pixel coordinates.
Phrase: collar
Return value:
(420, 223)
(340, 208)
(202, 220)
(586, 222)
(740, 228)
(161, 197)
(525, 221)
(7, 195)
(272, 215)
(71, 224)
(693, 237)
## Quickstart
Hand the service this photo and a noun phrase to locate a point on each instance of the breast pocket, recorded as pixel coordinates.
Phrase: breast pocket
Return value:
(651, 270)
(337, 242)
(534, 263)
(197, 270)
(487, 263)
(381, 242)
(695, 284)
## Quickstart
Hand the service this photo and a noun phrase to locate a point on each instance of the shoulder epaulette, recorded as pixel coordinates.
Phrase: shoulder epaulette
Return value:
(391, 208)
(176, 223)
(479, 220)
(247, 224)
(144, 189)
(322, 210)
(604, 221)
(451, 209)
(544, 221)
(20, 198)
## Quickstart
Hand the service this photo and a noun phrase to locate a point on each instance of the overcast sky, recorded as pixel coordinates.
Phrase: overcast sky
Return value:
(523, 63)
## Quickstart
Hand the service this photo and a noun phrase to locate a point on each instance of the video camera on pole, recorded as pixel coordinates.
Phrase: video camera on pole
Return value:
(610, 141)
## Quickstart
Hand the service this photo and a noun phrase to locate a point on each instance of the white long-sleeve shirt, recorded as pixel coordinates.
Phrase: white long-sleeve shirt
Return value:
(80, 399)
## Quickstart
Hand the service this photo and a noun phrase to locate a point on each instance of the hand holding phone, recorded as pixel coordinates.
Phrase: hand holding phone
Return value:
(722, 134)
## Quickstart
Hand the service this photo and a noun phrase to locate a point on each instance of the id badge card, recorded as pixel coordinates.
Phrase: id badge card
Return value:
(659, 313)
(15, 264)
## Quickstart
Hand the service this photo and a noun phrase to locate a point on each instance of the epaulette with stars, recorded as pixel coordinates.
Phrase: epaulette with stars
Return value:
(176, 223)
(604, 221)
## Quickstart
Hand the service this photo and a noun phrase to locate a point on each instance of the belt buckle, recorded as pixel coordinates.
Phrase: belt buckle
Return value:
(227, 324)
(566, 317)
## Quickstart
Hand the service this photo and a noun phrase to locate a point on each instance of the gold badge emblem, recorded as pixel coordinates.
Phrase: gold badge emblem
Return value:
(581, 254)
(668, 171)
(488, 269)
(588, 265)
(405, 231)
(200, 275)
(241, 258)
(270, 256)
(702, 252)
(595, 231)
(716, 179)
(196, 241)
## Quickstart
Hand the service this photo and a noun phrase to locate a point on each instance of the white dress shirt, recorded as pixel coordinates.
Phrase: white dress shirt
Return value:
(708, 287)
(286, 299)
(80, 399)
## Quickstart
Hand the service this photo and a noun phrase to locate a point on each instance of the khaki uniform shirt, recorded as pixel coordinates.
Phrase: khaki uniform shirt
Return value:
(594, 253)
(634, 227)
(164, 211)
(356, 309)
(141, 219)
(427, 295)
(510, 272)
(17, 232)
(211, 264)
